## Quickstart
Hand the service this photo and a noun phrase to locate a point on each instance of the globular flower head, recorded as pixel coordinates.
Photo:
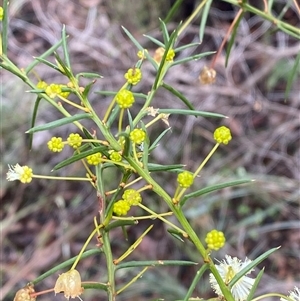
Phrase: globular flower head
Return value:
(121, 207)
(227, 269)
(141, 54)
(215, 239)
(137, 136)
(52, 90)
(74, 140)
(124, 99)
(170, 55)
(94, 159)
(115, 156)
(56, 144)
(222, 135)
(133, 76)
(185, 179)
(207, 76)
(17, 172)
(41, 85)
(132, 196)
(69, 283)
(294, 295)
(25, 293)
(1, 13)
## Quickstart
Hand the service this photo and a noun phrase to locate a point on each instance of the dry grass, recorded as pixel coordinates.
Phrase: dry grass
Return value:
(45, 223)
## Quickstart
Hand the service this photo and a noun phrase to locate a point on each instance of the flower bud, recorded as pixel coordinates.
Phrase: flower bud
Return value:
(185, 179)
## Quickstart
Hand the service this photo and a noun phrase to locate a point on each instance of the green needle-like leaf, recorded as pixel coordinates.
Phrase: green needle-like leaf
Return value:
(163, 66)
(88, 75)
(232, 39)
(173, 10)
(41, 58)
(77, 157)
(255, 285)
(191, 112)
(179, 95)
(176, 234)
(87, 89)
(120, 223)
(153, 263)
(140, 47)
(155, 143)
(34, 114)
(196, 279)
(88, 135)
(65, 47)
(164, 31)
(113, 115)
(250, 266)
(95, 286)
(155, 41)
(49, 64)
(270, 5)
(58, 123)
(192, 58)
(183, 47)
(209, 189)
(66, 69)
(65, 264)
(157, 167)
(292, 76)
(204, 17)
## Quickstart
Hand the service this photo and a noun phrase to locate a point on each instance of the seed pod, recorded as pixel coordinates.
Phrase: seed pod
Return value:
(24, 294)
(69, 283)
(207, 76)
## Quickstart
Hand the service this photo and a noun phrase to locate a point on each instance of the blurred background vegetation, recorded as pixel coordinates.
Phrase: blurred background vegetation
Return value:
(46, 222)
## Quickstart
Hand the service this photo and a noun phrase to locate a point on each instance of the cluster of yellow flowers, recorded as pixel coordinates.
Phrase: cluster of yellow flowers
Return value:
(130, 198)
(53, 90)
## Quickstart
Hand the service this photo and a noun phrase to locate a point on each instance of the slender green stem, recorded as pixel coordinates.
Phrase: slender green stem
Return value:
(272, 295)
(133, 246)
(191, 17)
(163, 219)
(184, 223)
(105, 235)
(199, 169)
(195, 281)
(205, 160)
(104, 130)
(152, 216)
(286, 27)
(62, 178)
(71, 103)
(121, 120)
(143, 111)
(109, 109)
(85, 245)
(134, 279)
(110, 266)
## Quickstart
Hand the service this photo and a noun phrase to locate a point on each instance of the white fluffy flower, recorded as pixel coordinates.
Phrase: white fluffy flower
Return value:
(294, 295)
(227, 269)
